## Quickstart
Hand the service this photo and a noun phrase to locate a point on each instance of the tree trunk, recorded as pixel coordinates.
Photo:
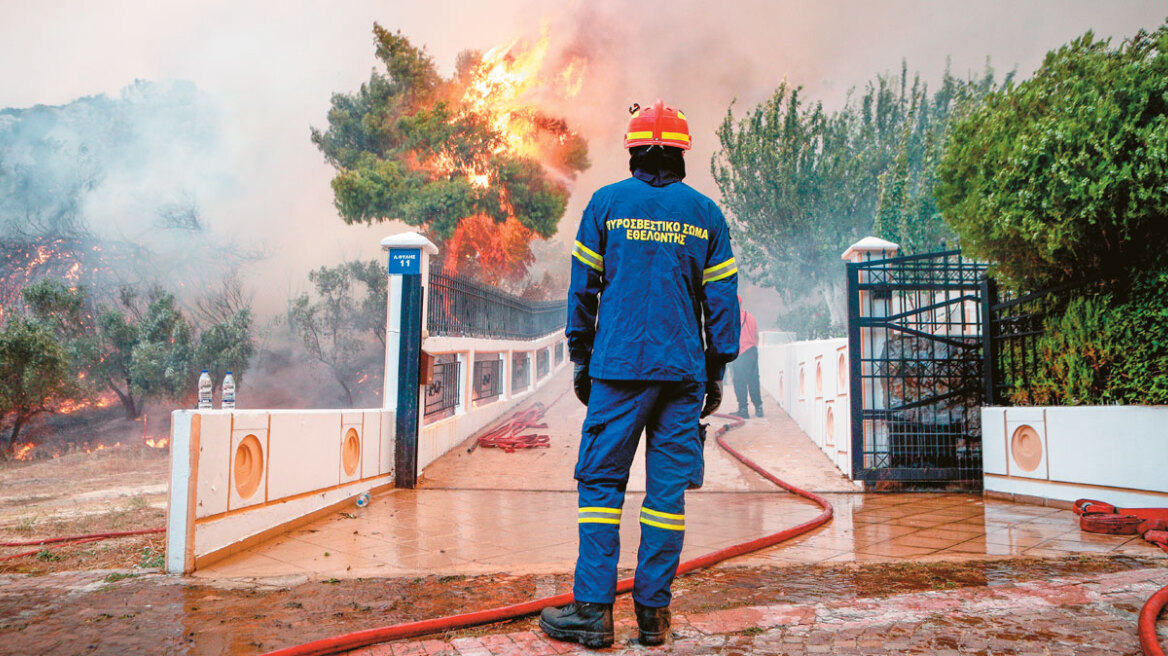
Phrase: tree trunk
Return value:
(21, 420)
(835, 297)
(348, 393)
(133, 411)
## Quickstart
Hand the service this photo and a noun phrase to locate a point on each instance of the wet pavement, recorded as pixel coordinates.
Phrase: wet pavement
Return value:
(965, 601)
(1069, 615)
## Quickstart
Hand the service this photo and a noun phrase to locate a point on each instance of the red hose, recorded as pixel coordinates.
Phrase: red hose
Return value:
(1152, 523)
(1146, 625)
(75, 538)
(367, 637)
(68, 540)
(1147, 622)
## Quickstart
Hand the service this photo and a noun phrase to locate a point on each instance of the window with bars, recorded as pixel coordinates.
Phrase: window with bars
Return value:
(442, 393)
(488, 379)
(520, 372)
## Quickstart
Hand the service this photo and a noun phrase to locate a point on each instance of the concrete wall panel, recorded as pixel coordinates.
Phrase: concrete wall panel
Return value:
(214, 464)
(304, 455)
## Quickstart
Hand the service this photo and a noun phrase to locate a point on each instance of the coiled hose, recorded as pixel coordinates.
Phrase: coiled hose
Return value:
(1150, 523)
(355, 640)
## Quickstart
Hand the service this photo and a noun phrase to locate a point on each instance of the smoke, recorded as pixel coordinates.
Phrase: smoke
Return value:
(261, 73)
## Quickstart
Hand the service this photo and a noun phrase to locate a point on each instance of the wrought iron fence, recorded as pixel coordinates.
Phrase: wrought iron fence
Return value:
(488, 379)
(915, 353)
(442, 393)
(1013, 325)
(464, 308)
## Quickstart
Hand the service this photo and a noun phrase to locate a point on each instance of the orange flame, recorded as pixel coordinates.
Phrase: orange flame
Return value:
(24, 452)
(503, 90)
(69, 406)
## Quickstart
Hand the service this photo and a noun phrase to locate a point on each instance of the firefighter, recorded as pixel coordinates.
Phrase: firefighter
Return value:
(652, 321)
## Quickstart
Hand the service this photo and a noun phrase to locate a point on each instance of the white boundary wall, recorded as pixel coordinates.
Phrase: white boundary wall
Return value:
(240, 476)
(810, 381)
(470, 416)
(1116, 454)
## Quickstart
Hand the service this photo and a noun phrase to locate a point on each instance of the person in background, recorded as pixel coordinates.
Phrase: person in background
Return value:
(744, 370)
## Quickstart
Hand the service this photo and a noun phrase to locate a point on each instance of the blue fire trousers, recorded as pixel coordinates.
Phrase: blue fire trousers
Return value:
(618, 411)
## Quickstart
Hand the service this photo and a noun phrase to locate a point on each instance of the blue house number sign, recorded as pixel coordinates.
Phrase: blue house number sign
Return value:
(405, 261)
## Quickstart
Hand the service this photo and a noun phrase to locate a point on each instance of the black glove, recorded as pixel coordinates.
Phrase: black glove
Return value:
(713, 397)
(582, 383)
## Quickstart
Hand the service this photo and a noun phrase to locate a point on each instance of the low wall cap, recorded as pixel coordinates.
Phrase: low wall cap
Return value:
(868, 245)
(409, 239)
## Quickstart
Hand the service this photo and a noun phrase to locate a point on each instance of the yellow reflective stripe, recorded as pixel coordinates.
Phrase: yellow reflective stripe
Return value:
(589, 251)
(587, 261)
(676, 136)
(668, 521)
(721, 276)
(714, 269)
(661, 514)
(668, 527)
(680, 115)
(719, 271)
(598, 515)
(588, 257)
(639, 135)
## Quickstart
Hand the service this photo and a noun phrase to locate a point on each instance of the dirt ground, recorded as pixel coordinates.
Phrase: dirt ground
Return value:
(128, 613)
(115, 489)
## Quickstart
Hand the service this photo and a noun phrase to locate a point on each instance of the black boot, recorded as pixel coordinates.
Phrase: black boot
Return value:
(742, 412)
(653, 624)
(587, 624)
(758, 411)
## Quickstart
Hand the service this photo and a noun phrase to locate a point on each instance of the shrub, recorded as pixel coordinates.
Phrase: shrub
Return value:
(1105, 349)
(1065, 175)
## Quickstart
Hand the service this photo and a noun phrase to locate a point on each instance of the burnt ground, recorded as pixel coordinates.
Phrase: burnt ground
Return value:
(128, 612)
(114, 489)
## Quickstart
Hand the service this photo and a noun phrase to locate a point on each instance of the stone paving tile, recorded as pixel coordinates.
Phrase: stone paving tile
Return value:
(1089, 614)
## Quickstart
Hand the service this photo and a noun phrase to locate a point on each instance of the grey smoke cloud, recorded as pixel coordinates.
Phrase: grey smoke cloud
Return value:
(268, 68)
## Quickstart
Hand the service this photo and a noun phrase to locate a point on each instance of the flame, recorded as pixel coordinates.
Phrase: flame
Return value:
(160, 443)
(504, 90)
(24, 452)
(69, 406)
(496, 251)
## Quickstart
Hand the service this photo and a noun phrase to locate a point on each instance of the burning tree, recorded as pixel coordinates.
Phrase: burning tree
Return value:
(470, 159)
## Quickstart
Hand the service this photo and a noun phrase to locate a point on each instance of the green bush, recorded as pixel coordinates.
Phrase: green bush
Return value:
(1105, 349)
(1065, 176)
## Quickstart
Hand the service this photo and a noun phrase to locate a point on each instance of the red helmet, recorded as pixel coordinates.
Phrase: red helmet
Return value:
(657, 126)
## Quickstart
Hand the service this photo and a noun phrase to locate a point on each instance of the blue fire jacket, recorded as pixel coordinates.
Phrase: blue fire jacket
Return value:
(654, 292)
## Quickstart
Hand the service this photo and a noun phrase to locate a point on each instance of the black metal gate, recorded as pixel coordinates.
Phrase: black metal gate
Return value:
(915, 344)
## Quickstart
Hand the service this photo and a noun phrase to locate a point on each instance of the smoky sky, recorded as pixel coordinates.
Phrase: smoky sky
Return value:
(270, 67)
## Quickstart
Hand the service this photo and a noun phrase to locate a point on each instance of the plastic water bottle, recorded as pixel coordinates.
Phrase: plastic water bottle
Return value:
(205, 390)
(227, 401)
(363, 499)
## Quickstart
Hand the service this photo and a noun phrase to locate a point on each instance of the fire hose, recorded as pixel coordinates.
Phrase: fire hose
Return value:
(506, 436)
(69, 540)
(1152, 525)
(355, 640)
